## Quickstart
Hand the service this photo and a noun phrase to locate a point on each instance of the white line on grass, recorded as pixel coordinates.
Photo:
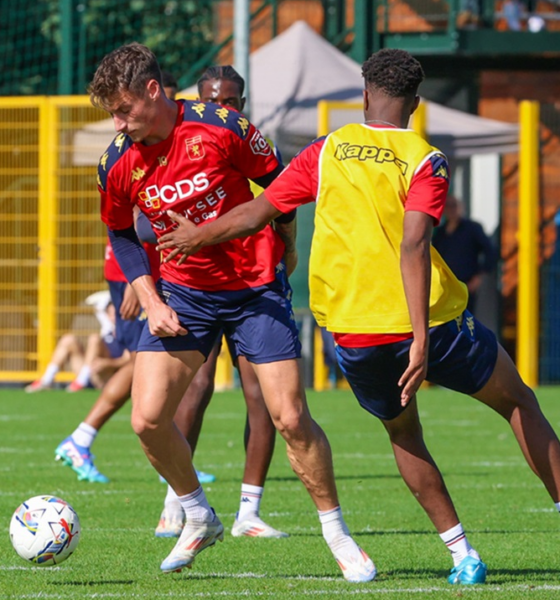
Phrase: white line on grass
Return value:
(370, 589)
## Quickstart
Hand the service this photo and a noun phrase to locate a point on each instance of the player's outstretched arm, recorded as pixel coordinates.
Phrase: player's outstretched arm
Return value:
(287, 233)
(245, 219)
(416, 275)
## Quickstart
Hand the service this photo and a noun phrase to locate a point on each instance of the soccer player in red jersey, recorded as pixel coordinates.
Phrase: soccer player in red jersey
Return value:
(223, 85)
(195, 159)
(379, 189)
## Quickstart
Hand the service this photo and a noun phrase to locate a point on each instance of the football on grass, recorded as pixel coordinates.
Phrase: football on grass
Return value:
(45, 530)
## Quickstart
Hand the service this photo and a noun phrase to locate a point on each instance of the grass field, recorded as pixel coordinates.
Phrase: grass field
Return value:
(507, 513)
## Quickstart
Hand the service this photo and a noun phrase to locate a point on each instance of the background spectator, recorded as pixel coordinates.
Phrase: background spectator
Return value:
(465, 247)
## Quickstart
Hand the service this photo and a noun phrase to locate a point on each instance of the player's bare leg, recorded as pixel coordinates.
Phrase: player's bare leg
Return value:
(96, 348)
(188, 418)
(418, 468)
(421, 475)
(191, 409)
(260, 435)
(75, 450)
(68, 350)
(310, 455)
(160, 380)
(113, 396)
(308, 448)
(506, 393)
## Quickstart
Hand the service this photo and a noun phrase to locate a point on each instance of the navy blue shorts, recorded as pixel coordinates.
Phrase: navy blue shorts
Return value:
(282, 279)
(127, 332)
(462, 357)
(257, 322)
(114, 347)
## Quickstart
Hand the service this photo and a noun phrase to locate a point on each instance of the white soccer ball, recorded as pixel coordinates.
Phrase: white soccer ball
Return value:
(45, 530)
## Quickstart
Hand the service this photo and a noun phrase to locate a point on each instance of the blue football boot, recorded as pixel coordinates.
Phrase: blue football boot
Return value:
(468, 572)
(81, 461)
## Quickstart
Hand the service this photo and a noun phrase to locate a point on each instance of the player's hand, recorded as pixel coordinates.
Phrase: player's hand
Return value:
(415, 373)
(163, 321)
(130, 307)
(182, 239)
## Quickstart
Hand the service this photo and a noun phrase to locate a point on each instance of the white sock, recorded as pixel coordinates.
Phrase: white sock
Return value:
(50, 374)
(171, 497)
(333, 524)
(83, 375)
(196, 506)
(456, 541)
(251, 496)
(557, 504)
(85, 435)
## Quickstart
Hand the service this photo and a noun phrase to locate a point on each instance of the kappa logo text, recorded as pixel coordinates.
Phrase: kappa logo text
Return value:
(380, 155)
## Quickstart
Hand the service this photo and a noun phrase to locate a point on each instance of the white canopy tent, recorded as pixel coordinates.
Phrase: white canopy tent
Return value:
(289, 76)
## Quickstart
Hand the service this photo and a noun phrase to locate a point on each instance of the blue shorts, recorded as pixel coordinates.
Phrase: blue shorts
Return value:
(127, 332)
(462, 357)
(114, 347)
(257, 322)
(282, 279)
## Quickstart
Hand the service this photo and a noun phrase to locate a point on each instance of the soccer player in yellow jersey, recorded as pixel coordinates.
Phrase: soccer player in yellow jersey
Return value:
(396, 310)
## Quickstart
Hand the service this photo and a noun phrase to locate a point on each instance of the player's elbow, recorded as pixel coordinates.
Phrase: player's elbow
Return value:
(415, 246)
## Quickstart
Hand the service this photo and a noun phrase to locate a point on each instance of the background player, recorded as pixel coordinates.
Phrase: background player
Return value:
(75, 450)
(223, 85)
(381, 189)
(95, 364)
(196, 158)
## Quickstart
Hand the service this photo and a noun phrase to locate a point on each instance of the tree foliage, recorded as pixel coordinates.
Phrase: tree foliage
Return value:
(179, 32)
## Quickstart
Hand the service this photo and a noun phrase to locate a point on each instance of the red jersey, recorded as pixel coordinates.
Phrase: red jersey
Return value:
(200, 171)
(299, 184)
(112, 270)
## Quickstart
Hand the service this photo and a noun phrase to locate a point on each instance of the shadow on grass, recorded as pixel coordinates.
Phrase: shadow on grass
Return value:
(91, 583)
(338, 477)
(495, 576)
(526, 576)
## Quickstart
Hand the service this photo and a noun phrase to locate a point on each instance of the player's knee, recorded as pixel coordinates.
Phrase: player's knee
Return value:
(522, 399)
(68, 340)
(292, 424)
(142, 426)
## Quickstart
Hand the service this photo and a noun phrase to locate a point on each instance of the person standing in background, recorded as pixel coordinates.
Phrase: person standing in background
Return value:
(465, 247)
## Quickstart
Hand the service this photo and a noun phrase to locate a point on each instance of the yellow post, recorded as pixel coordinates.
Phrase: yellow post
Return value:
(48, 228)
(322, 118)
(420, 120)
(528, 237)
(224, 369)
(320, 370)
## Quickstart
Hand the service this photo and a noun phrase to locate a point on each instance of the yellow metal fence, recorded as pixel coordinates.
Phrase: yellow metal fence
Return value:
(52, 237)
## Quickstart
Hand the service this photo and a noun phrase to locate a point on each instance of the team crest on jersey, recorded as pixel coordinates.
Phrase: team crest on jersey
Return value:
(195, 148)
(259, 145)
(439, 166)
